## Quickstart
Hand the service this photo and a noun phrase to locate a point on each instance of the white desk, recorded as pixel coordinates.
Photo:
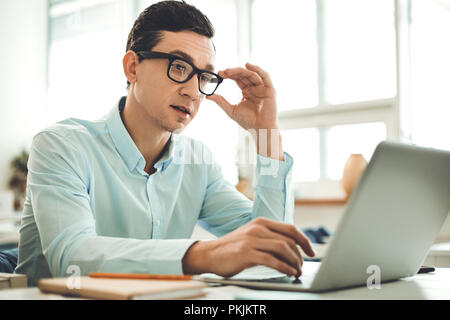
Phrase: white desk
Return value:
(429, 286)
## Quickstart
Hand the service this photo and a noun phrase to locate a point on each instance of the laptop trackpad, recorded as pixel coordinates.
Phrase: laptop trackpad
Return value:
(261, 273)
(265, 277)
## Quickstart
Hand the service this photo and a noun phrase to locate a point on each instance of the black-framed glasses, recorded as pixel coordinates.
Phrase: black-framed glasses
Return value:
(180, 70)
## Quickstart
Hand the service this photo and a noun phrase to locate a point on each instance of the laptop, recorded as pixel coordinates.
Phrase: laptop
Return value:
(390, 222)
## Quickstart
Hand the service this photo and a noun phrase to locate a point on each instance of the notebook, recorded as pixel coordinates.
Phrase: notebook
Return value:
(12, 280)
(123, 289)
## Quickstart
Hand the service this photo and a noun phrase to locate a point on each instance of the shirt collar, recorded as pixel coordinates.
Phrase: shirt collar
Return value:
(167, 156)
(126, 146)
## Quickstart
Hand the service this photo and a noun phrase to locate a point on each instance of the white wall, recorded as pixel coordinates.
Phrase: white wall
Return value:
(23, 45)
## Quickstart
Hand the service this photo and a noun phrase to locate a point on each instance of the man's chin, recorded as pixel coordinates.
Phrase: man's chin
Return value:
(175, 125)
(180, 130)
(175, 129)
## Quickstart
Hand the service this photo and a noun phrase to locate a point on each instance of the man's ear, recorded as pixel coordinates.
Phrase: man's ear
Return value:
(129, 61)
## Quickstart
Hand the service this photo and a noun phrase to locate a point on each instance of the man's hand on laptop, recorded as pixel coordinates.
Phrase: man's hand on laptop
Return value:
(259, 242)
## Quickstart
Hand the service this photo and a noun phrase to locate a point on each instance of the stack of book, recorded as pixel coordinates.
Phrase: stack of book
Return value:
(12, 280)
(124, 287)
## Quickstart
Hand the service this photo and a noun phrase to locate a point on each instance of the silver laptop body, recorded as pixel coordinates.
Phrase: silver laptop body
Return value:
(391, 221)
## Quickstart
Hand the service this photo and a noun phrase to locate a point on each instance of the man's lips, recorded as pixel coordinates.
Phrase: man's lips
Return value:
(181, 108)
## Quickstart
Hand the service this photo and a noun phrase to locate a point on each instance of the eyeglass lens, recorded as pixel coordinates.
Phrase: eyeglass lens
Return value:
(180, 70)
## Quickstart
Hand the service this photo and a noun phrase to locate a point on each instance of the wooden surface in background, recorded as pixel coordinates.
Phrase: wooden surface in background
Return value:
(321, 202)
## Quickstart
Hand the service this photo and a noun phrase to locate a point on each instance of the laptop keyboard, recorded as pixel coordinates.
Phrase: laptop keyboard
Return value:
(282, 279)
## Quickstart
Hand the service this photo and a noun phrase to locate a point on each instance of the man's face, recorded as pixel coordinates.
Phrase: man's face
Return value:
(161, 98)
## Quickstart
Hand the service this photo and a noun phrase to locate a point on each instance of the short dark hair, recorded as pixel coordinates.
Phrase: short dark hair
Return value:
(166, 16)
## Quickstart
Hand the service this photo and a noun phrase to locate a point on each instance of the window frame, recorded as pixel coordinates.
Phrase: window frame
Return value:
(392, 111)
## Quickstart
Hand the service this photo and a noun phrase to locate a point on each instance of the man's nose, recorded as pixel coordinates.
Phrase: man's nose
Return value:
(190, 88)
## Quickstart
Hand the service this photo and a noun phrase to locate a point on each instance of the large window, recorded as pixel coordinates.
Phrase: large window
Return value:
(283, 42)
(212, 125)
(348, 73)
(359, 50)
(304, 146)
(84, 65)
(85, 79)
(352, 138)
(430, 73)
(333, 64)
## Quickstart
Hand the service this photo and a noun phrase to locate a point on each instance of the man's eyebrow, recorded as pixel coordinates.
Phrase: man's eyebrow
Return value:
(187, 57)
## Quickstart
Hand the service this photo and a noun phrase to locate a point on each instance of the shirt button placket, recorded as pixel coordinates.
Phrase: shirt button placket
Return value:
(152, 231)
(154, 211)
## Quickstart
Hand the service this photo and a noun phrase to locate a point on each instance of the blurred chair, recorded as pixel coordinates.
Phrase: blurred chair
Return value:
(319, 234)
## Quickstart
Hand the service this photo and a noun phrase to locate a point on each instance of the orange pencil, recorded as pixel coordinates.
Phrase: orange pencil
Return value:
(139, 276)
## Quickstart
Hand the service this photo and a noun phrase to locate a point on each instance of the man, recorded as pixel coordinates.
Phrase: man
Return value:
(119, 194)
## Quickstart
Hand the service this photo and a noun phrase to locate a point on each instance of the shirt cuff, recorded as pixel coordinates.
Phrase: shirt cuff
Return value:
(167, 258)
(271, 173)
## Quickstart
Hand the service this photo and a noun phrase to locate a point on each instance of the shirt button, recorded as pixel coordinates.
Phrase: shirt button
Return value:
(158, 222)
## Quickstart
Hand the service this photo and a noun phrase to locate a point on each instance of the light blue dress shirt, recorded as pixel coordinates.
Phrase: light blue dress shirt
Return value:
(90, 204)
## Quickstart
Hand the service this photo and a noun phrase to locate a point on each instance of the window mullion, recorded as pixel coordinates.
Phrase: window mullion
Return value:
(323, 148)
(244, 30)
(320, 36)
(244, 52)
(402, 114)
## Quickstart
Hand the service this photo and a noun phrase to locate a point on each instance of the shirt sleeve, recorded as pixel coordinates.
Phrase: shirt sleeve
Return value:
(225, 209)
(59, 185)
